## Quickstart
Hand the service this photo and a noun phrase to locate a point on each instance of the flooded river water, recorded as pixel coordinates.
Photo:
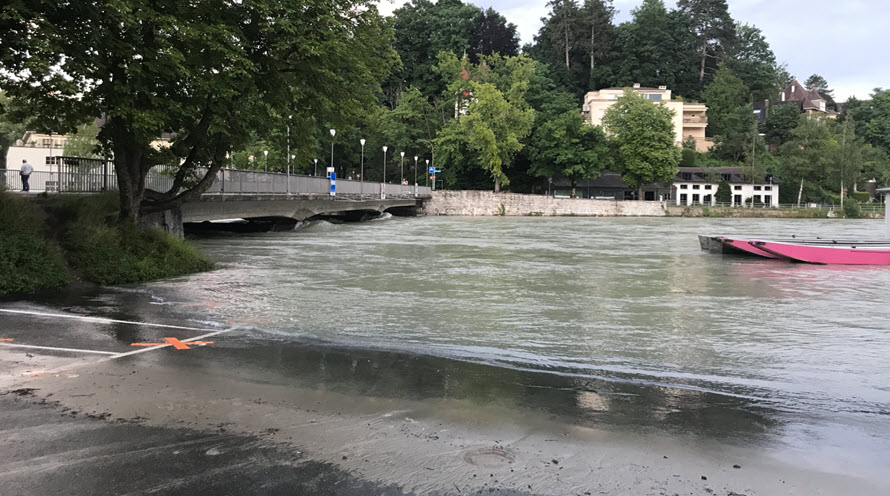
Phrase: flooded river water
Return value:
(603, 321)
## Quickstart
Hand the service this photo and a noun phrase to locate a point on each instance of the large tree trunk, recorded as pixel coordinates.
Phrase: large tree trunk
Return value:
(130, 182)
(641, 194)
(592, 46)
(497, 185)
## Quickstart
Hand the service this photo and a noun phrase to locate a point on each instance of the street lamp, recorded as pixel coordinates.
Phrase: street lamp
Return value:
(361, 176)
(427, 177)
(402, 170)
(384, 163)
(289, 117)
(316, 168)
(333, 135)
(266, 163)
(415, 175)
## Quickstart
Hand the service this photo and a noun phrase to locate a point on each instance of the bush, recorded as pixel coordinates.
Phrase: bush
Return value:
(28, 261)
(852, 210)
(861, 196)
(106, 250)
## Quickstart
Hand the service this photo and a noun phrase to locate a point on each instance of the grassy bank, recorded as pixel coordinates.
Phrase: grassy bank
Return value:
(790, 213)
(50, 241)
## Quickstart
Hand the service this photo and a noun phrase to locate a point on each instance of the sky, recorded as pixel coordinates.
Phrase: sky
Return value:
(846, 42)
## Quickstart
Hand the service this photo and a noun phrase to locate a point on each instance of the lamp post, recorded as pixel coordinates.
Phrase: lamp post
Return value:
(402, 170)
(333, 135)
(427, 177)
(287, 189)
(266, 163)
(415, 175)
(383, 184)
(361, 176)
(316, 168)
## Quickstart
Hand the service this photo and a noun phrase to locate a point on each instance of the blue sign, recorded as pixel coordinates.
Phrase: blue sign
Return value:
(432, 170)
(333, 183)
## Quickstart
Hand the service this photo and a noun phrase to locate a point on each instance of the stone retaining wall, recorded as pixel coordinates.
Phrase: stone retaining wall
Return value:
(488, 203)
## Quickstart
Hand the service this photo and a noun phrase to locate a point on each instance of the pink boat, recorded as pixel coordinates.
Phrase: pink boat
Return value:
(868, 254)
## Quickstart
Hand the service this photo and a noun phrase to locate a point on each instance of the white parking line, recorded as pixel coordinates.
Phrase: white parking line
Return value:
(53, 348)
(150, 348)
(100, 320)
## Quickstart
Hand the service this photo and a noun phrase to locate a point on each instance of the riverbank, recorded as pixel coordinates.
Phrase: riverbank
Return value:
(48, 242)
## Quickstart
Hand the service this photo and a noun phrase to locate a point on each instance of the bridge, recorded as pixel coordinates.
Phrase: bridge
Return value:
(235, 193)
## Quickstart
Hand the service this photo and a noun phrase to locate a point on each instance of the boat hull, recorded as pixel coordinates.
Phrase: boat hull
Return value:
(744, 246)
(827, 254)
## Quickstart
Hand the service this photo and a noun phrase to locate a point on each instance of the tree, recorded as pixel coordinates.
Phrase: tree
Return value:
(818, 84)
(11, 127)
(493, 34)
(83, 143)
(211, 72)
(780, 123)
(723, 96)
(642, 135)
(563, 26)
(423, 29)
(650, 50)
(808, 155)
(714, 29)
(723, 194)
(566, 146)
(750, 58)
(596, 16)
(873, 119)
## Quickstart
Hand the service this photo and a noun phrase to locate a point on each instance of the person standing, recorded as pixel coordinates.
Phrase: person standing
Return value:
(25, 173)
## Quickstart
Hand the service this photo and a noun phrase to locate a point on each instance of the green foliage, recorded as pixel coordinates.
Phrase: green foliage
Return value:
(642, 135)
(11, 127)
(714, 30)
(860, 196)
(28, 260)
(820, 85)
(724, 193)
(493, 34)
(739, 137)
(780, 123)
(724, 96)
(105, 250)
(83, 143)
(852, 209)
(210, 71)
(750, 58)
(566, 146)
(873, 119)
(687, 157)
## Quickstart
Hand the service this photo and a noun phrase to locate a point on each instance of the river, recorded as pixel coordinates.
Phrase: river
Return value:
(606, 321)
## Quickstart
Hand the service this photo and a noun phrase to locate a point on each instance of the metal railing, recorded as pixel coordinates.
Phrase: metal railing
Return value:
(89, 177)
(866, 207)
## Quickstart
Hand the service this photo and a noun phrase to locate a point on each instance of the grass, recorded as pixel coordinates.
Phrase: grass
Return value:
(28, 260)
(88, 240)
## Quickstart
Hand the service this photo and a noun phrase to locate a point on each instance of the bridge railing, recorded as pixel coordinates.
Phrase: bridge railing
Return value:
(99, 176)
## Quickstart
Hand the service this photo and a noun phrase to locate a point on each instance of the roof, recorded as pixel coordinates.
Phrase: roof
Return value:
(736, 175)
(632, 88)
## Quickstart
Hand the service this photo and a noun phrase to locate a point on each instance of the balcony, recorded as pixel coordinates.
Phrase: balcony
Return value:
(695, 121)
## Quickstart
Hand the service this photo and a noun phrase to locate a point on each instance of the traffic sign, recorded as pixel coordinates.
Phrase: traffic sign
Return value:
(432, 170)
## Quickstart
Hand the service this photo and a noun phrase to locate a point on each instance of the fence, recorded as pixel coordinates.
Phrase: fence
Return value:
(866, 207)
(96, 175)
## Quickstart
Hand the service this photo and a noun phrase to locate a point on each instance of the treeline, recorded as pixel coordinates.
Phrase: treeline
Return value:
(446, 82)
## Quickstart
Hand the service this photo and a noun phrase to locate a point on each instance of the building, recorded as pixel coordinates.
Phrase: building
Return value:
(609, 186)
(690, 119)
(809, 101)
(41, 150)
(698, 186)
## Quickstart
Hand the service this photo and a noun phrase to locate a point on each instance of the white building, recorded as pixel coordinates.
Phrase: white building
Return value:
(37, 149)
(698, 186)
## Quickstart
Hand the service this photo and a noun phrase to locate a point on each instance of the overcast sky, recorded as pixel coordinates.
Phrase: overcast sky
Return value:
(845, 41)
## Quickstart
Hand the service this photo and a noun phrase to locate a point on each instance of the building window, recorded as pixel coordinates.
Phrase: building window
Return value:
(768, 200)
(652, 96)
(683, 198)
(757, 199)
(767, 188)
(756, 188)
(695, 198)
(707, 199)
(696, 186)
(726, 177)
(684, 186)
(737, 188)
(737, 200)
(707, 186)
(687, 176)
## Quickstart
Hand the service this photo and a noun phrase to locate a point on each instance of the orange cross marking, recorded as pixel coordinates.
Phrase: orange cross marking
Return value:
(6, 340)
(179, 345)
